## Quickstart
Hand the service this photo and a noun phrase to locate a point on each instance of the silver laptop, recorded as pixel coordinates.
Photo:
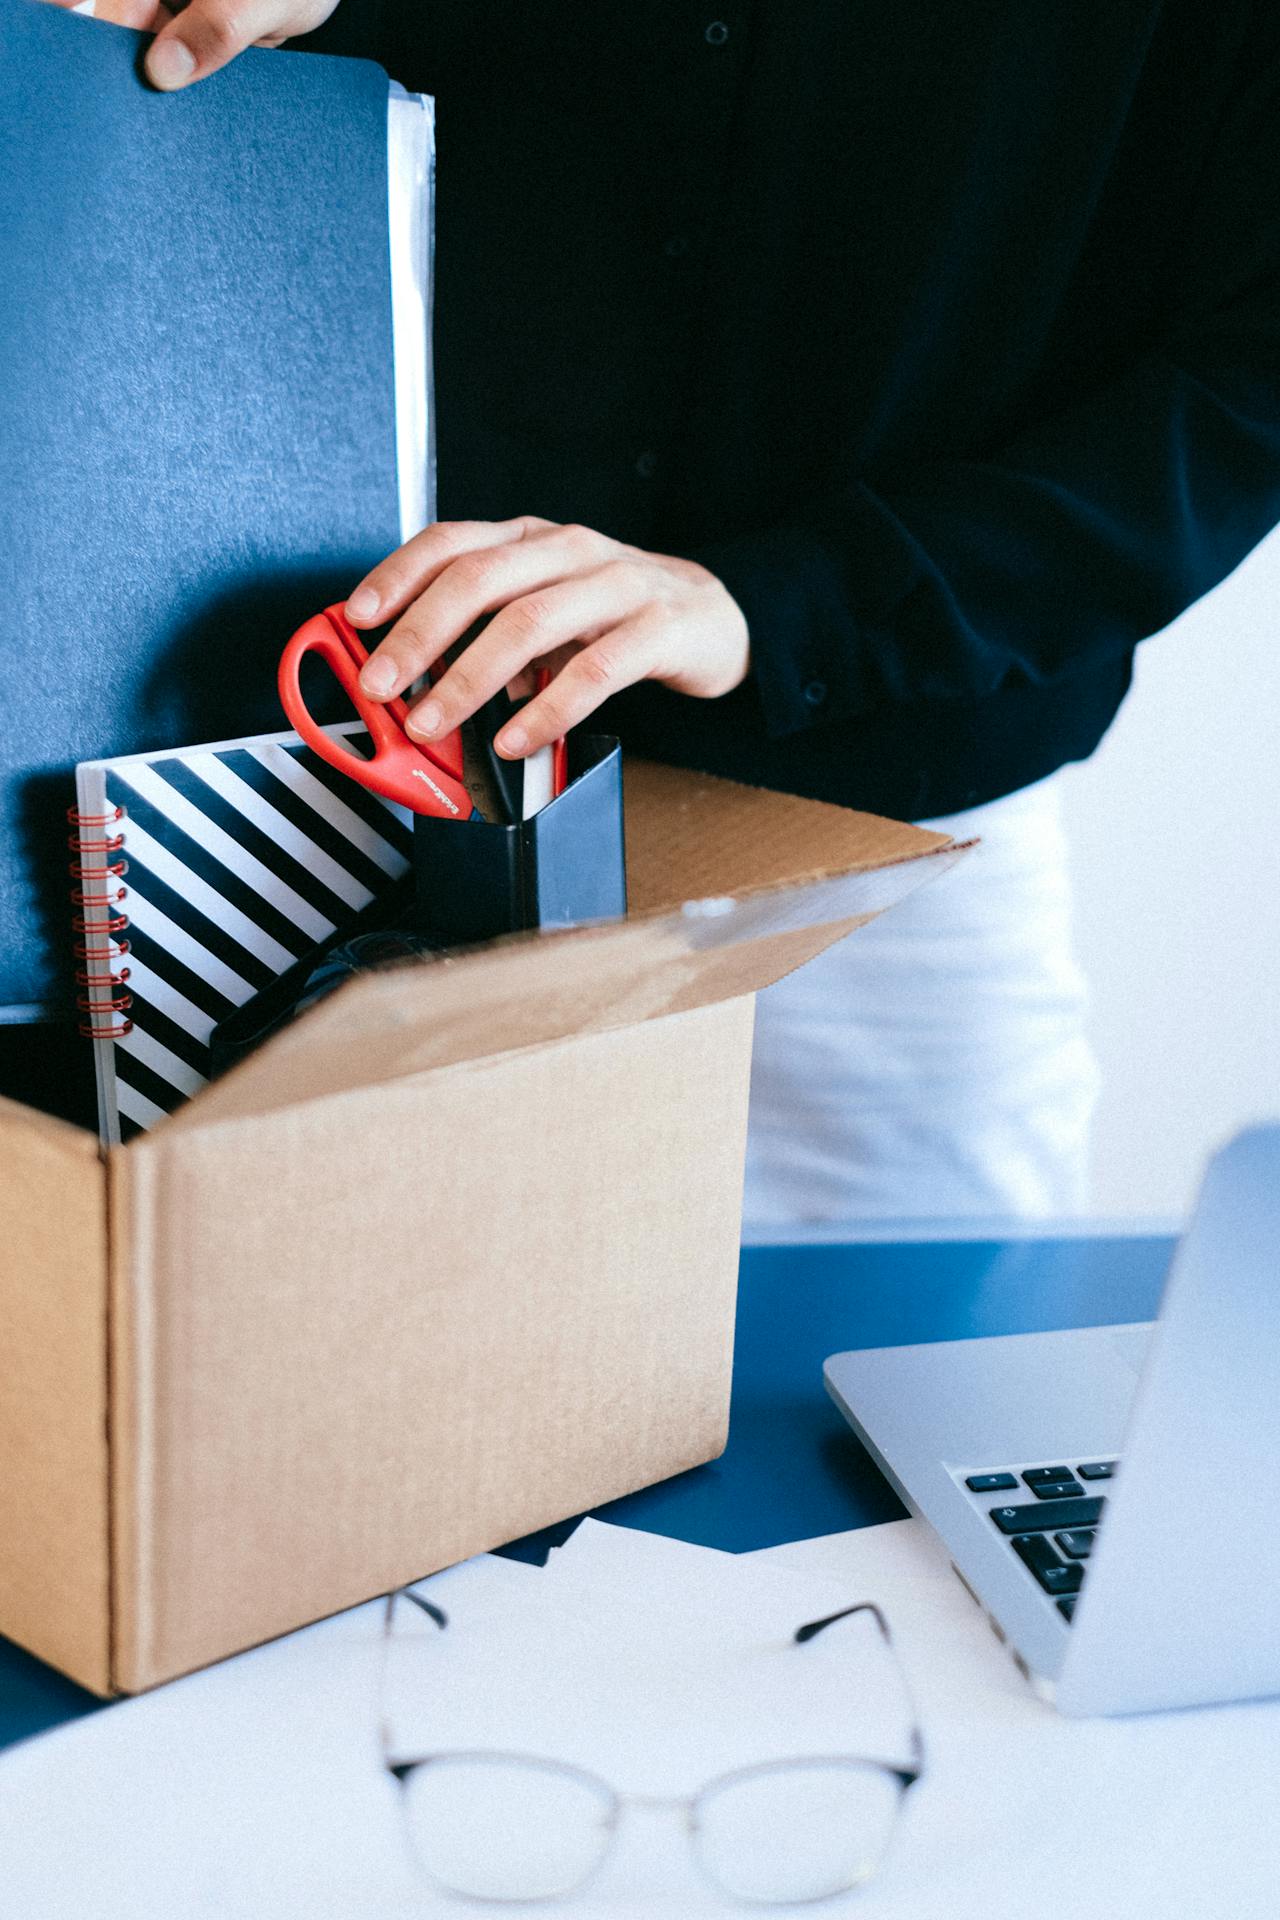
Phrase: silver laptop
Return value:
(1111, 1496)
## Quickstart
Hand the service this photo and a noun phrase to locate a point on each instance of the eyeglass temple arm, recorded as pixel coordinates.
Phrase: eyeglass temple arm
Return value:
(810, 1631)
(433, 1613)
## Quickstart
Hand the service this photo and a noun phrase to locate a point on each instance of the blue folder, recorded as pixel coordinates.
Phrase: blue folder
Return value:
(197, 413)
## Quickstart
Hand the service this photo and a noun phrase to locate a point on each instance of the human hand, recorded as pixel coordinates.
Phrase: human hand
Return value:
(600, 614)
(194, 40)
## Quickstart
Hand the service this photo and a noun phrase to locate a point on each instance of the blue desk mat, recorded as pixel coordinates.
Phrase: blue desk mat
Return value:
(792, 1468)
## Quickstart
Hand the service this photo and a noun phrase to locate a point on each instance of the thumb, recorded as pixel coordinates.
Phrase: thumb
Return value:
(205, 36)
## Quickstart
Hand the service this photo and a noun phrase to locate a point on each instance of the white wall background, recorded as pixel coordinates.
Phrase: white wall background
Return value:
(1174, 828)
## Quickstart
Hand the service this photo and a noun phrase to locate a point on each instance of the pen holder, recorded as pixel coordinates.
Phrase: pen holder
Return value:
(477, 879)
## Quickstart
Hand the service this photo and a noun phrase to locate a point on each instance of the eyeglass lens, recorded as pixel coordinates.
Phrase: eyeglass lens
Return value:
(795, 1832)
(494, 1827)
(497, 1828)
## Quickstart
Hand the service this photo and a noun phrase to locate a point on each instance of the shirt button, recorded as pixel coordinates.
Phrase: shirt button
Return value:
(816, 692)
(647, 464)
(717, 33)
(676, 247)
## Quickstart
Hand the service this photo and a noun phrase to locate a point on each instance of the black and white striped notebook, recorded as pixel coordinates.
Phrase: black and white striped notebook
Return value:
(204, 873)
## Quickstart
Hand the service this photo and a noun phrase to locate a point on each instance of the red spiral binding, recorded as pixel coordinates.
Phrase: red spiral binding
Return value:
(83, 899)
(116, 951)
(77, 845)
(116, 924)
(77, 819)
(117, 1005)
(101, 978)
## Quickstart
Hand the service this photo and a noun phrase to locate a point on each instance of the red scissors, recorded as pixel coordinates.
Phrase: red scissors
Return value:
(425, 778)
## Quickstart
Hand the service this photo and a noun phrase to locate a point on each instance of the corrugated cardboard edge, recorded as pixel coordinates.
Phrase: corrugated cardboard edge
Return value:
(536, 989)
(54, 1498)
(776, 865)
(693, 834)
(131, 1272)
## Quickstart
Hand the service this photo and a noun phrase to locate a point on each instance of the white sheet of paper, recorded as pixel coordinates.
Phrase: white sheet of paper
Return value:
(1145, 1817)
(248, 1791)
(253, 1790)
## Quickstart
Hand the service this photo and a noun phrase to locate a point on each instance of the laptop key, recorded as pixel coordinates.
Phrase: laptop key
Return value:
(1054, 1576)
(1067, 1606)
(1077, 1545)
(1046, 1476)
(1049, 1516)
(1097, 1470)
(991, 1482)
(1057, 1490)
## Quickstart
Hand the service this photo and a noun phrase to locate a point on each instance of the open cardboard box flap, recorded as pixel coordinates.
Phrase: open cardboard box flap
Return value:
(790, 876)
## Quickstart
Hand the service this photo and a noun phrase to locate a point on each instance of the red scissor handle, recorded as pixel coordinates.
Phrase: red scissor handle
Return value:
(424, 779)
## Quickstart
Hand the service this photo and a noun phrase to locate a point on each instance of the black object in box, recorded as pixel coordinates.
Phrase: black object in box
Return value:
(476, 879)
(473, 880)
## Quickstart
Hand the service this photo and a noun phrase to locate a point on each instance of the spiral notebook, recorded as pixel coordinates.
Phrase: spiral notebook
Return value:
(202, 874)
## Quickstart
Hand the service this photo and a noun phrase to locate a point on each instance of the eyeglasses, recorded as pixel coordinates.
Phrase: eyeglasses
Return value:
(503, 1826)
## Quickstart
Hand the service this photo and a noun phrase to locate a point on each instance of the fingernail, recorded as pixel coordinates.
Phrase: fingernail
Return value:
(425, 720)
(378, 677)
(512, 740)
(363, 604)
(170, 64)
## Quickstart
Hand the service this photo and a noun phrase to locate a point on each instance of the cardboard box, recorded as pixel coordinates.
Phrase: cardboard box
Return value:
(452, 1257)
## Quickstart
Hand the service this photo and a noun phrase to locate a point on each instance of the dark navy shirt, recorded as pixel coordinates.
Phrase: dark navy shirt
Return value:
(946, 332)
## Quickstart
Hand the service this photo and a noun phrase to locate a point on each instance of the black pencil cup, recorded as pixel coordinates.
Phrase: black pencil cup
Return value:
(476, 879)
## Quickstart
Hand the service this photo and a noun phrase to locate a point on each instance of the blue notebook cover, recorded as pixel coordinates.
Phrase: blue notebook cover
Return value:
(197, 413)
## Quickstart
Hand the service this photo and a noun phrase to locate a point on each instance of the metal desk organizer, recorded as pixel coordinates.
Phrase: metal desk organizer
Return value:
(477, 879)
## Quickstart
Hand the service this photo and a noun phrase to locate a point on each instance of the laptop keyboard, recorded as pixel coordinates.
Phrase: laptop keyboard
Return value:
(1053, 1532)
